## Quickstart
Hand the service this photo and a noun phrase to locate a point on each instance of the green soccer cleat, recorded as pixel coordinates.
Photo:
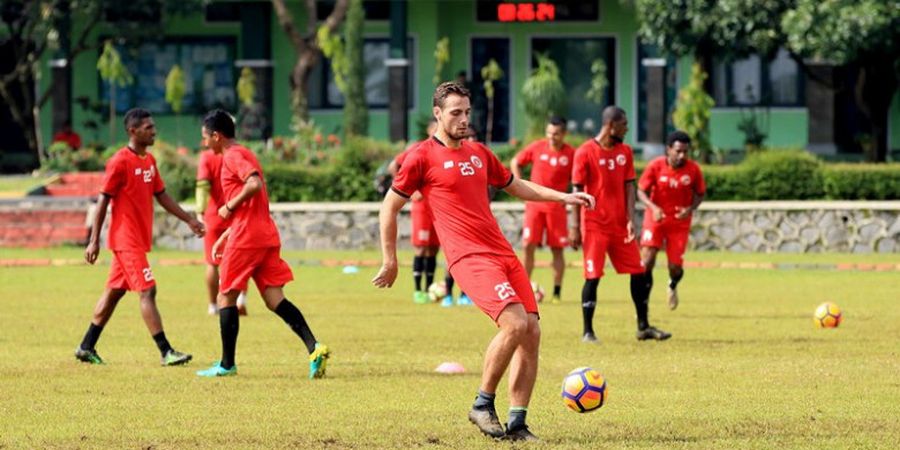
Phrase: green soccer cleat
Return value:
(89, 356)
(420, 298)
(318, 359)
(216, 370)
(175, 358)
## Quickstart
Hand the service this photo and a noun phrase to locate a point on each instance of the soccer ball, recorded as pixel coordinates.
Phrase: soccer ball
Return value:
(437, 291)
(584, 390)
(538, 292)
(827, 315)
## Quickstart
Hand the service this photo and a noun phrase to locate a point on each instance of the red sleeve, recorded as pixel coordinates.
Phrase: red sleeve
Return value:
(398, 160)
(203, 167)
(648, 176)
(114, 178)
(410, 176)
(498, 175)
(700, 183)
(629, 165)
(239, 165)
(580, 166)
(526, 155)
(158, 185)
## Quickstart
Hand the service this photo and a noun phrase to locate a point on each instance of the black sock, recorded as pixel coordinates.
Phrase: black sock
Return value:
(292, 316)
(229, 324)
(430, 265)
(162, 343)
(448, 280)
(484, 400)
(91, 337)
(557, 290)
(673, 281)
(588, 303)
(516, 417)
(648, 280)
(418, 267)
(639, 295)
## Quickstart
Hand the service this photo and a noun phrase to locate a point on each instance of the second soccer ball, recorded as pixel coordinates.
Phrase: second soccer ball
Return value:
(538, 292)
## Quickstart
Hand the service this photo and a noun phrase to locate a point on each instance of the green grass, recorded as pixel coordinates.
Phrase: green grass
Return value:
(745, 368)
(19, 184)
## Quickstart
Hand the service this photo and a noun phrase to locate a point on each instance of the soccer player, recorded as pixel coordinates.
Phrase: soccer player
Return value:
(209, 198)
(129, 185)
(604, 168)
(672, 187)
(252, 249)
(453, 174)
(551, 160)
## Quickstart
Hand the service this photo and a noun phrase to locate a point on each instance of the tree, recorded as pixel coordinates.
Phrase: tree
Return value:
(491, 72)
(306, 46)
(693, 111)
(599, 82)
(175, 90)
(114, 73)
(356, 110)
(543, 94)
(441, 58)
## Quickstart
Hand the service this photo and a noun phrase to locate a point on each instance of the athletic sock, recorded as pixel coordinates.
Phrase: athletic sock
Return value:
(588, 303)
(448, 280)
(229, 324)
(162, 343)
(639, 295)
(557, 290)
(516, 417)
(430, 265)
(292, 316)
(484, 400)
(91, 336)
(418, 268)
(673, 281)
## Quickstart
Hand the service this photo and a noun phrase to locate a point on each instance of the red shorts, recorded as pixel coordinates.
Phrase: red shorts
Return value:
(539, 219)
(130, 271)
(264, 265)
(674, 233)
(423, 234)
(625, 258)
(214, 229)
(493, 282)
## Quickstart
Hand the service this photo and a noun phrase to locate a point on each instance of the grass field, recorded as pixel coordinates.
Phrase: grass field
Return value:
(745, 368)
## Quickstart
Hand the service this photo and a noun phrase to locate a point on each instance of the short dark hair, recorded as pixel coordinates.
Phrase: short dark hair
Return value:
(134, 117)
(219, 121)
(678, 136)
(557, 121)
(612, 113)
(447, 88)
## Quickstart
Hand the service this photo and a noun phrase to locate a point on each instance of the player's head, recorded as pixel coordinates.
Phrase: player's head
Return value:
(615, 122)
(556, 131)
(451, 108)
(217, 130)
(140, 127)
(432, 127)
(678, 145)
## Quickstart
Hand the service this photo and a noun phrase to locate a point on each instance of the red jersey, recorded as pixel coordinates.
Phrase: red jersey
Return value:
(669, 187)
(251, 225)
(209, 168)
(131, 181)
(603, 173)
(551, 168)
(455, 182)
(400, 158)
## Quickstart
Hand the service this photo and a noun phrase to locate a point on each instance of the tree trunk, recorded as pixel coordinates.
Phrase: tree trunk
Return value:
(874, 91)
(299, 82)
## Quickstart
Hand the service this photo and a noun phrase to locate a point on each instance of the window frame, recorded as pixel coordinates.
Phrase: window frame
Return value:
(765, 86)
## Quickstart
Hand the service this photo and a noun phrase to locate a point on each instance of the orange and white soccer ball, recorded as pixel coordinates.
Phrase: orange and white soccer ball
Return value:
(538, 292)
(584, 390)
(827, 315)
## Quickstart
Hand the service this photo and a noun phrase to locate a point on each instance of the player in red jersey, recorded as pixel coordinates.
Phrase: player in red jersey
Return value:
(209, 198)
(672, 187)
(253, 250)
(551, 160)
(129, 185)
(453, 174)
(604, 168)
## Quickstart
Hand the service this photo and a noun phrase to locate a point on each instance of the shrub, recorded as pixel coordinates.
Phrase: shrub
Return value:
(862, 181)
(783, 175)
(61, 158)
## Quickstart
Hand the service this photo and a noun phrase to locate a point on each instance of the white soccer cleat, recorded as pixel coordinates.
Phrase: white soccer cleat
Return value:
(673, 299)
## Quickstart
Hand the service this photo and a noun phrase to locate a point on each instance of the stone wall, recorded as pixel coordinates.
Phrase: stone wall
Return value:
(858, 227)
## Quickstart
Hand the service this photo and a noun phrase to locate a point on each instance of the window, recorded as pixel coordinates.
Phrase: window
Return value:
(484, 50)
(208, 66)
(574, 56)
(324, 93)
(753, 81)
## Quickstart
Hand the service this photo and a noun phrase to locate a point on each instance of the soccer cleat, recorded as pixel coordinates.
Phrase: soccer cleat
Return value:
(420, 298)
(464, 300)
(447, 301)
(318, 360)
(520, 434)
(212, 309)
(555, 300)
(673, 299)
(653, 333)
(486, 421)
(89, 356)
(216, 370)
(175, 358)
(589, 338)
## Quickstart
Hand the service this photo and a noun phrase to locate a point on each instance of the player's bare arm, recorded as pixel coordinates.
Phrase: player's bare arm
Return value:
(529, 191)
(387, 219)
(575, 228)
(630, 194)
(515, 169)
(251, 187)
(219, 245)
(93, 246)
(695, 203)
(170, 205)
(657, 212)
